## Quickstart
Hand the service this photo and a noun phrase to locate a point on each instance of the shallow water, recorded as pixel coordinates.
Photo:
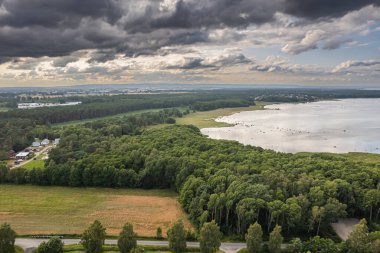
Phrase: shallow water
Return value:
(349, 125)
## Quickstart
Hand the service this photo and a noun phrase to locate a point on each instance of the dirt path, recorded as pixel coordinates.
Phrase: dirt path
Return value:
(344, 227)
(42, 151)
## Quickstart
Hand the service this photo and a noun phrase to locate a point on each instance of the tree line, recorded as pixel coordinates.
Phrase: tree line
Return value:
(225, 181)
(93, 238)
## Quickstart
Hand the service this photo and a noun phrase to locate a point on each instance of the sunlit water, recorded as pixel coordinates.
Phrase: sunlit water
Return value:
(349, 125)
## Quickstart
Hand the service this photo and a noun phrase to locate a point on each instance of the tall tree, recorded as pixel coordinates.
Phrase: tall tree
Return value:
(357, 241)
(209, 237)
(7, 239)
(93, 238)
(159, 233)
(177, 237)
(127, 239)
(254, 238)
(275, 240)
(54, 245)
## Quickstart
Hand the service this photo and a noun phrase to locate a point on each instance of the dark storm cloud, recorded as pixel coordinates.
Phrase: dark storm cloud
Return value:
(324, 8)
(57, 13)
(60, 27)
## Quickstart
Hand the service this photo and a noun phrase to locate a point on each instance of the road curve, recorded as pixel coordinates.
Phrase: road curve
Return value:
(29, 244)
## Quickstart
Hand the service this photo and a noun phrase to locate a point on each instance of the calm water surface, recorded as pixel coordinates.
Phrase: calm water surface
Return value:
(349, 125)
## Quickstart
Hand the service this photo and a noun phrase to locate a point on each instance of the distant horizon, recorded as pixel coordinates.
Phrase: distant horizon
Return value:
(195, 86)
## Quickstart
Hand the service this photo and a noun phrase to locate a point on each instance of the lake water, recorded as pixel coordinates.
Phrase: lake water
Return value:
(349, 125)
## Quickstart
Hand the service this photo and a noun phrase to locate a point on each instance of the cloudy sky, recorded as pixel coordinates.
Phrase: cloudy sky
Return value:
(61, 42)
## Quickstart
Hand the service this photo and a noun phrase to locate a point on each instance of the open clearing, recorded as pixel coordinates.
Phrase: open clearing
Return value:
(344, 227)
(59, 210)
(207, 119)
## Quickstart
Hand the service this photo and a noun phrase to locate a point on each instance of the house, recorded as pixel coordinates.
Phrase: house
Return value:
(22, 155)
(11, 154)
(36, 144)
(45, 142)
(56, 141)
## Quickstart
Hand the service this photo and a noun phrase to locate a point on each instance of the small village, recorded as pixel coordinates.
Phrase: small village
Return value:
(38, 150)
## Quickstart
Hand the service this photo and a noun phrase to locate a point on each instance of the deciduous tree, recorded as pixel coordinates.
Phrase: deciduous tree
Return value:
(209, 237)
(127, 239)
(177, 237)
(254, 238)
(93, 238)
(7, 239)
(275, 240)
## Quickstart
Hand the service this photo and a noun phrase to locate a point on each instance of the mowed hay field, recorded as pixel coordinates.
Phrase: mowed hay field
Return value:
(33, 210)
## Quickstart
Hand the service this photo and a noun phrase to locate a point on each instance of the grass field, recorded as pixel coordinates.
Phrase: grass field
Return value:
(35, 163)
(59, 210)
(207, 118)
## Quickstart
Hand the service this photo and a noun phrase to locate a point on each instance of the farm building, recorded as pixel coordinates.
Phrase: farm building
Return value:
(22, 155)
(11, 154)
(45, 142)
(36, 144)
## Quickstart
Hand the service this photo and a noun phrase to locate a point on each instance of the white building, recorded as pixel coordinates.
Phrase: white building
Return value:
(36, 144)
(45, 142)
(22, 155)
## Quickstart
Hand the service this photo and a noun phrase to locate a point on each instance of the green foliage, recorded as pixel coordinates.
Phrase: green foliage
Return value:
(221, 103)
(54, 245)
(159, 233)
(254, 238)
(321, 245)
(360, 240)
(127, 239)
(7, 239)
(209, 237)
(275, 240)
(93, 238)
(177, 237)
(296, 246)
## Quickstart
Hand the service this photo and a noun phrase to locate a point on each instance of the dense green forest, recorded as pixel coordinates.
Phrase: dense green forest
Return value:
(225, 181)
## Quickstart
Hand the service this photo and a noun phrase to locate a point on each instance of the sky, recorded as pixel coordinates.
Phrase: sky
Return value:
(307, 42)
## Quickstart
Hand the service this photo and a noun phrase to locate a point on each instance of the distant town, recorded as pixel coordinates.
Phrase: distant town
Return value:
(37, 105)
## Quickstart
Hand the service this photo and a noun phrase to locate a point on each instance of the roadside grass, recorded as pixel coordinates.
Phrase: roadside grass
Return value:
(207, 118)
(76, 248)
(45, 210)
(19, 249)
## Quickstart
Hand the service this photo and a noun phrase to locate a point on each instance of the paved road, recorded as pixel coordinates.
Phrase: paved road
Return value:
(28, 244)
